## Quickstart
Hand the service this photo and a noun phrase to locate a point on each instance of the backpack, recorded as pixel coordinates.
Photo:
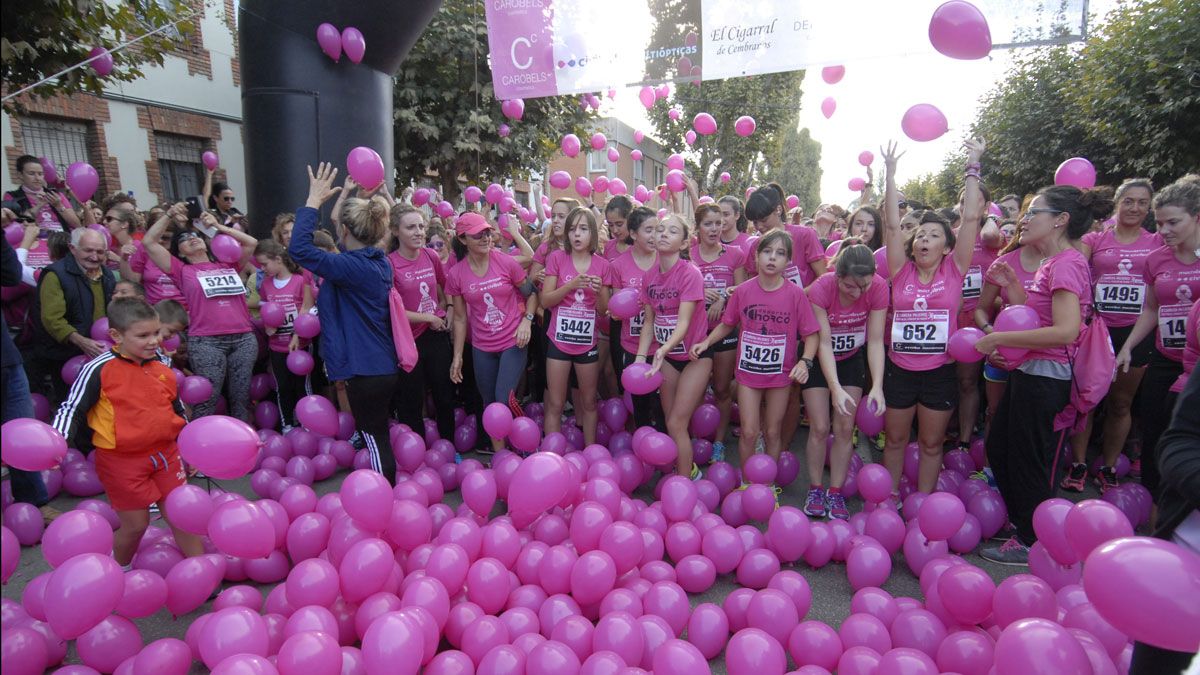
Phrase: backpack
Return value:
(1089, 384)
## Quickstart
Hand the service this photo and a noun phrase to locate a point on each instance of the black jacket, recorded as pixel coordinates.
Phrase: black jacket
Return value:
(1179, 461)
(10, 275)
(77, 292)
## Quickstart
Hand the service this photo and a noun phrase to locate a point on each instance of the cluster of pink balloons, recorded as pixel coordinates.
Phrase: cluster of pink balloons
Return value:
(350, 40)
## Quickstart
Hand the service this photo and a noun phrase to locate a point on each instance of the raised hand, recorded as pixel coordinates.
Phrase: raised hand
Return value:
(320, 184)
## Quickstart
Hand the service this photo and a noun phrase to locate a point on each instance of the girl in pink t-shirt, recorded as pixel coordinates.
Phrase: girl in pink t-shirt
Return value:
(158, 284)
(673, 292)
(1024, 441)
(1172, 276)
(734, 223)
(1117, 256)
(765, 210)
(283, 285)
(629, 270)
(723, 267)
(576, 292)
(771, 315)
(988, 243)
(221, 342)
(851, 306)
(926, 270)
(419, 277)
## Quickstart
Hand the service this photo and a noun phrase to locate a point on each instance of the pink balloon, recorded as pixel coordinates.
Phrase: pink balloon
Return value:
(560, 180)
(353, 44)
(962, 345)
(479, 492)
(676, 657)
(1039, 645)
(31, 445)
(638, 380)
(1093, 522)
(514, 109)
(367, 498)
(11, 553)
(162, 657)
(245, 664)
(83, 180)
(868, 565)
(74, 533)
(330, 41)
(599, 141)
(1076, 171)
(816, 644)
(230, 631)
(753, 652)
(617, 187)
(309, 652)
(394, 643)
(870, 422)
(940, 515)
(828, 106)
(109, 644)
(365, 166)
(101, 61)
(959, 30)
(725, 177)
(924, 122)
(570, 145)
(788, 533)
(241, 529)
(625, 304)
(1050, 525)
(745, 126)
(833, 74)
(226, 249)
(196, 389)
(690, 137)
(210, 159)
(856, 184)
(874, 482)
(525, 434)
(317, 414)
(704, 124)
(81, 592)
(191, 582)
(647, 96)
(1023, 596)
(583, 186)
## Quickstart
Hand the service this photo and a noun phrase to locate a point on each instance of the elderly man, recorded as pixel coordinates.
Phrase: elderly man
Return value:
(72, 294)
(33, 199)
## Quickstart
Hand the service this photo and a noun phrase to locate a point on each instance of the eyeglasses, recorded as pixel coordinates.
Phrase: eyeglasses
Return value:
(1030, 213)
(228, 199)
(109, 219)
(185, 236)
(903, 205)
(436, 245)
(486, 234)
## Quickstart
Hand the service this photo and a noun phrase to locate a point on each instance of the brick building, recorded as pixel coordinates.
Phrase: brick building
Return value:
(650, 170)
(147, 136)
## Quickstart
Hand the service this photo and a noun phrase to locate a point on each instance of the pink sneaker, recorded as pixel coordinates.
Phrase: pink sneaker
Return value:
(836, 504)
(814, 506)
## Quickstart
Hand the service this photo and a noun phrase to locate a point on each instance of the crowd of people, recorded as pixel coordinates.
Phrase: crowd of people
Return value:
(799, 320)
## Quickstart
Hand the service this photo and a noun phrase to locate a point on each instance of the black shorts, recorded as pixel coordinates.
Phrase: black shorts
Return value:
(851, 372)
(590, 356)
(1141, 353)
(935, 389)
(729, 344)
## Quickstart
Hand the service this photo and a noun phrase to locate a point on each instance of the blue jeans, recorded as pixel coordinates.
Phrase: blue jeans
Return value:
(498, 373)
(27, 486)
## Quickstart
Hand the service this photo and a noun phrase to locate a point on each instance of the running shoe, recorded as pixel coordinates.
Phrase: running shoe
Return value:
(1006, 532)
(696, 473)
(1106, 479)
(778, 495)
(814, 506)
(985, 474)
(1076, 475)
(881, 440)
(357, 441)
(1011, 552)
(514, 405)
(836, 503)
(718, 453)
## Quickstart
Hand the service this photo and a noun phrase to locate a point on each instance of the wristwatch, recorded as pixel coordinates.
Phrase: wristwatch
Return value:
(808, 363)
(529, 318)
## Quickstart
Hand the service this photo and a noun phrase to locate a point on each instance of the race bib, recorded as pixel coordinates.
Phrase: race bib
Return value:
(1172, 325)
(792, 274)
(973, 283)
(1120, 294)
(761, 354)
(846, 339)
(717, 285)
(575, 326)
(664, 326)
(217, 283)
(635, 324)
(920, 331)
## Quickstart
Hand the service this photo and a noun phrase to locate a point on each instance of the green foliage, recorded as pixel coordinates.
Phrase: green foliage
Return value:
(43, 37)
(1128, 100)
(772, 100)
(795, 163)
(940, 189)
(446, 115)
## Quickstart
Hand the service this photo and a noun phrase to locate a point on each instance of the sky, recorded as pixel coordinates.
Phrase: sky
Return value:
(875, 93)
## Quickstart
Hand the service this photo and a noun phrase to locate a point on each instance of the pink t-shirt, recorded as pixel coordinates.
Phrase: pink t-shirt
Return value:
(1191, 350)
(541, 253)
(627, 274)
(159, 285)
(924, 315)
(881, 266)
(770, 322)
(1013, 260)
(495, 305)
(806, 249)
(1117, 274)
(573, 321)
(792, 272)
(1176, 286)
(665, 292)
(718, 274)
(741, 241)
(418, 282)
(46, 217)
(216, 297)
(981, 259)
(847, 323)
(290, 299)
(611, 252)
(1066, 271)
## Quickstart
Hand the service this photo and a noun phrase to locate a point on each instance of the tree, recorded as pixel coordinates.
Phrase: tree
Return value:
(937, 190)
(795, 163)
(772, 100)
(44, 37)
(447, 116)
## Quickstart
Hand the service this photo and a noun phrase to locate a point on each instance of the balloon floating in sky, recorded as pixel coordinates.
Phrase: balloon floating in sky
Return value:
(856, 184)
(828, 106)
(959, 30)
(330, 41)
(1076, 171)
(690, 137)
(83, 180)
(570, 145)
(639, 136)
(354, 44)
(560, 180)
(924, 122)
(725, 177)
(745, 125)
(647, 97)
(636, 155)
(102, 61)
(833, 74)
(599, 141)
(704, 124)
(866, 157)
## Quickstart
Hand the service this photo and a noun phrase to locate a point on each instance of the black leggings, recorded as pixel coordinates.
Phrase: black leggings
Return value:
(289, 387)
(616, 353)
(432, 371)
(368, 396)
(1158, 402)
(1023, 447)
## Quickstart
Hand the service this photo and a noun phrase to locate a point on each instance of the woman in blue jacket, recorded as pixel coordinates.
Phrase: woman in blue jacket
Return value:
(356, 334)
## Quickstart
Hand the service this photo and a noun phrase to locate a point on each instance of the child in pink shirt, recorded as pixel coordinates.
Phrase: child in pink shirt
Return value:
(284, 285)
(772, 315)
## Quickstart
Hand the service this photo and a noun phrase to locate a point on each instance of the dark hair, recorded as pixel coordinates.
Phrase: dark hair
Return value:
(589, 219)
(876, 240)
(323, 240)
(620, 203)
(170, 311)
(950, 215)
(636, 217)
(1014, 243)
(775, 237)
(762, 203)
(1082, 207)
(138, 289)
(117, 198)
(854, 259)
(738, 208)
(124, 312)
(983, 190)
(778, 190)
(59, 245)
(927, 216)
(217, 189)
(398, 212)
(1183, 193)
(26, 159)
(1131, 183)
(174, 248)
(274, 249)
(703, 210)
(1012, 197)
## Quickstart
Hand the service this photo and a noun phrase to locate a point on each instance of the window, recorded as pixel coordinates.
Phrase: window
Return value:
(179, 165)
(639, 171)
(597, 161)
(659, 175)
(62, 142)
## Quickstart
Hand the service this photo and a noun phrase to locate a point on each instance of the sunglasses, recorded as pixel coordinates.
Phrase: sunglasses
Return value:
(437, 245)
(185, 236)
(227, 199)
(486, 234)
(109, 219)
